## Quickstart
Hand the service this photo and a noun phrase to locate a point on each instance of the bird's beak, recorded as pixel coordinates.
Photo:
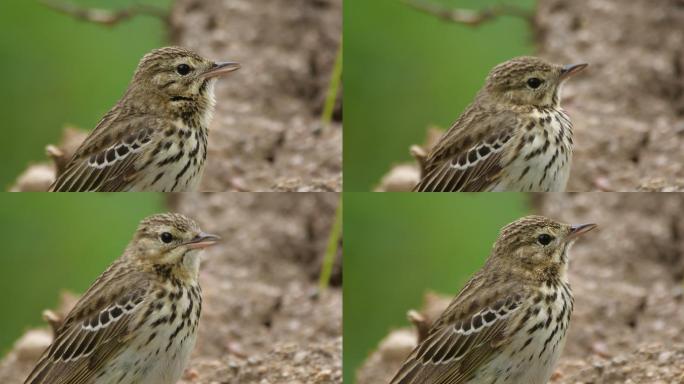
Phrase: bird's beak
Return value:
(221, 69)
(577, 230)
(202, 240)
(570, 69)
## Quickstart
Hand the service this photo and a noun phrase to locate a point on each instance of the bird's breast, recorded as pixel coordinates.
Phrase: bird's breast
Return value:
(166, 329)
(542, 153)
(538, 337)
(176, 162)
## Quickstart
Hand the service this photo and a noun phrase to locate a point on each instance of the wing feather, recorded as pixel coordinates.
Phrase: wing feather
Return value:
(106, 160)
(470, 156)
(95, 330)
(461, 341)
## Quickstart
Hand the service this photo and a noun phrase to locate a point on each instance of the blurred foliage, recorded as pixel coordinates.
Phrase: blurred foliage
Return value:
(62, 71)
(398, 246)
(406, 70)
(56, 242)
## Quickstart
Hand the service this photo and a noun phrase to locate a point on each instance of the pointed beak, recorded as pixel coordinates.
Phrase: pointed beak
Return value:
(577, 230)
(570, 69)
(202, 240)
(220, 69)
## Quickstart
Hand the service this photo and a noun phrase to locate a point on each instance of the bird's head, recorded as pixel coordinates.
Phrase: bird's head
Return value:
(537, 245)
(171, 241)
(529, 81)
(179, 76)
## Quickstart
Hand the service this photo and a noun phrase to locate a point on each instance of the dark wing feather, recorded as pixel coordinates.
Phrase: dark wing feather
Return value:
(470, 156)
(106, 160)
(465, 337)
(95, 330)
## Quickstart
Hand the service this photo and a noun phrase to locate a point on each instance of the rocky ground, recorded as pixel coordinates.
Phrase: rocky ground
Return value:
(628, 106)
(267, 132)
(627, 280)
(264, 319)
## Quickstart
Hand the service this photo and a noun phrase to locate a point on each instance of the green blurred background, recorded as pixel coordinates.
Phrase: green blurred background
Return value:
(406, 70)
(55, 242)
(398, 246)
(59, 71)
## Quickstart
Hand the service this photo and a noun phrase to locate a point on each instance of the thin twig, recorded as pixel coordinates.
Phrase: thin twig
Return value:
(331, 250)
(104, 16)
(470, 17)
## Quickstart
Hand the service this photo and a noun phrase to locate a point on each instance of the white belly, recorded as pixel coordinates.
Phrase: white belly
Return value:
(533, 179)
(158, 361)
(169, 180)
(145, 366)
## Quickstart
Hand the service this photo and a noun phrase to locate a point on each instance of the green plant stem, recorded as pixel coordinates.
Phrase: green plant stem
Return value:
(331, 250)
(333, 88)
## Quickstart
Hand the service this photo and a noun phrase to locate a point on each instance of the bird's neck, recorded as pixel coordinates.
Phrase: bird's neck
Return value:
(553, 274)
(177, 273)
(194, 110)
(545, 273)
(507, 102)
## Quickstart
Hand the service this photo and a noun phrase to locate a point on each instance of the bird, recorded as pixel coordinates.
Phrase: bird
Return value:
(137, 323)
(508, 323)
(155, 137)
(513, 137)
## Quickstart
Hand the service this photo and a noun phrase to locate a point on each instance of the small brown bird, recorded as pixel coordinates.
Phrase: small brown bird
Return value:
(138, 322)
(155, 137)
(508, 324)
(514, 137)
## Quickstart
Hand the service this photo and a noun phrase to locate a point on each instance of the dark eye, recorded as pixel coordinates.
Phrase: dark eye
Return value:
(183, 69)
(544, 239)
(166, 237)
(534, 82)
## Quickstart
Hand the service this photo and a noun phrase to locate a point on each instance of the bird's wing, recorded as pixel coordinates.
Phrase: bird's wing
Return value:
(466, 336)
(469, 156)
(106, 160)
(94, 331)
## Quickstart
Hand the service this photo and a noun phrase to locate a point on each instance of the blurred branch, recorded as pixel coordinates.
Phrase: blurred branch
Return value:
(104, 16)
(58, 157)
(470, 17)
(333, 88)
(421, 323)
(331, 250)
(54, 320)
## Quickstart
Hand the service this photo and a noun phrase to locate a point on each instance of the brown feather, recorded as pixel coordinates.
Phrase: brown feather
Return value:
(476, 127)
(121, 286)
(80, 176)
(466, 353)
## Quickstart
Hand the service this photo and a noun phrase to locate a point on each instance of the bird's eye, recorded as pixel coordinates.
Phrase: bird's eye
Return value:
(166, 237)
(183, 69)
(534, 82)
(544, 239)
